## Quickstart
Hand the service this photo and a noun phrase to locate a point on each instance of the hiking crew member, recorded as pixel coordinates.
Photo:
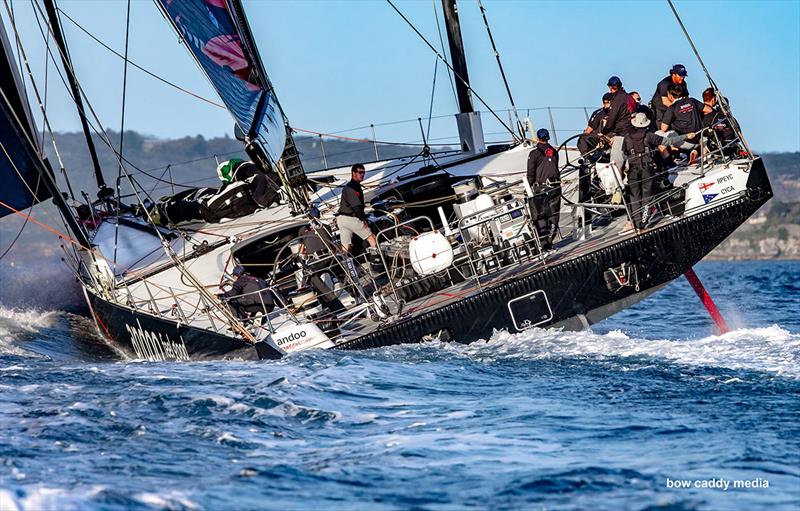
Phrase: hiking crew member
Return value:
(545, 180)
(684, 116)
(660, 101)
(619, 119)
(591, 135)
(640, 144)
(248, 295)
(714, 119)
(352, 219)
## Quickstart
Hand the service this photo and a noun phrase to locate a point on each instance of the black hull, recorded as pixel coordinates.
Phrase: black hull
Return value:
(141, 335)
(576, 290)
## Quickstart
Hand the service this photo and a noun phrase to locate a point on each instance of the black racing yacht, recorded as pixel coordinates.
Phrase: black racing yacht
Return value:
(458, 254)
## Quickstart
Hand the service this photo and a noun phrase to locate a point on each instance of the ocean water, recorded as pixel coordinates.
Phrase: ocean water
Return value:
(620, 417)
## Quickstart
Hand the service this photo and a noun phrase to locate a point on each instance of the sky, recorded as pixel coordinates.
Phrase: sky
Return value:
(338, 65)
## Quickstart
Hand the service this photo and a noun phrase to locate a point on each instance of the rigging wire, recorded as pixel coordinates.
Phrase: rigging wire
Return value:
(500, 65)
(42, 106)
(233, 322)
(433, 93)
(723, 103)
(122, 125)
(137, 66)
(441, 43)
(414, 28)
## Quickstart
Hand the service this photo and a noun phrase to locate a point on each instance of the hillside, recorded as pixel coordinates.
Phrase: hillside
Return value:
(773, 233)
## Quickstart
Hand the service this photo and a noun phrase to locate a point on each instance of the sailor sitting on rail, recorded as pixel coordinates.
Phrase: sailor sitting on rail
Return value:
(684, 116)
(248, 295)
(245, 189)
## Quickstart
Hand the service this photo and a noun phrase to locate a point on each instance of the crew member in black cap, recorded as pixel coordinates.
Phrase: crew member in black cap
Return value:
(545, 180)
(591, 135)
(660, 101)
(618, 123)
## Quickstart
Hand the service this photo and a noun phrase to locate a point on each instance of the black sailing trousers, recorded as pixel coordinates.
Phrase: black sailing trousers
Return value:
(640, 185)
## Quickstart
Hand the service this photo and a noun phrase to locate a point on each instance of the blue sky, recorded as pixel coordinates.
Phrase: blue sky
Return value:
(343, 64)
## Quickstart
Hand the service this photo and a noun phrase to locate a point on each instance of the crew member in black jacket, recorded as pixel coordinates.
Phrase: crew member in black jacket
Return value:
(248, 295)
(352, 219)
(545, 180)
(618, 123)
(661, 101)
(639, 146)
(591, 135)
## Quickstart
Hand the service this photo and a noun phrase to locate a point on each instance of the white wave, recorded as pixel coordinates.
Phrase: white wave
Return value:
(772, 349)
(15, 323)
(43, 498)
(169, 500)
(30, 320)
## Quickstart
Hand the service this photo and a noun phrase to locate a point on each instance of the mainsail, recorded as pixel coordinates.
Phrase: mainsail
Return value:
(20, 164)
(218, 36)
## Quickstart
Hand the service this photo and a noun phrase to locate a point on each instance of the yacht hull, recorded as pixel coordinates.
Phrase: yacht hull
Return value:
(573, 293)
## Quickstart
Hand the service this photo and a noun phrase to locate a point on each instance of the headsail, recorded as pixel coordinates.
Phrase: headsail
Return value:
(218, 36)
(19, 152)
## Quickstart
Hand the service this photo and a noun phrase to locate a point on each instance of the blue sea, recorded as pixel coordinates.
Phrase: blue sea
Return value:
(648, 410)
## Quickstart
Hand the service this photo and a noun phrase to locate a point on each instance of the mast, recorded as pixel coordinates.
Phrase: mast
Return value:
(470, 131)
(55, 26)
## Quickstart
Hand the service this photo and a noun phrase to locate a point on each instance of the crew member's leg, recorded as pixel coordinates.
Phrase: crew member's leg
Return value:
(325, 294)
(345, 234)
(554, 210)
(635, 197)
(647, 193)
(617, 155)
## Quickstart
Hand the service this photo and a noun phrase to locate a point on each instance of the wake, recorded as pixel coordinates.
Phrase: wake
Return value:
(771, 349)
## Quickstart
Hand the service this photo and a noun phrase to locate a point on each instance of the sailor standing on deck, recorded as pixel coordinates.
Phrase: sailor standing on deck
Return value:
(640, 146)
(545, 180)
(352, 219)
(618, 123)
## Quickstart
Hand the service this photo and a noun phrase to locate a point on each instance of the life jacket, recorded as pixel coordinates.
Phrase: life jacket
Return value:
(639, 151)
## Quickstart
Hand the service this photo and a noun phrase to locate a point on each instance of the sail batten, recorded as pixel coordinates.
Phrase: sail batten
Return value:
(217, 35)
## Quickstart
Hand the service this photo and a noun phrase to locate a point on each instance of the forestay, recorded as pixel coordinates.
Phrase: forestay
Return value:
(218, 36)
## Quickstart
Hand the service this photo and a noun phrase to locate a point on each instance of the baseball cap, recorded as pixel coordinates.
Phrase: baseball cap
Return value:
(614, 81)
(543, 134)
(608, 96)
(679, 70)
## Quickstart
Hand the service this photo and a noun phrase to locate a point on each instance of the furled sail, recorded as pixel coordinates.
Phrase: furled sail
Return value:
(20, 164)
(218, 36)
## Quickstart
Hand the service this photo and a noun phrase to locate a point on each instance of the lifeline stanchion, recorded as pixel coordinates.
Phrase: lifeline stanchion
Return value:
(709, 304)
